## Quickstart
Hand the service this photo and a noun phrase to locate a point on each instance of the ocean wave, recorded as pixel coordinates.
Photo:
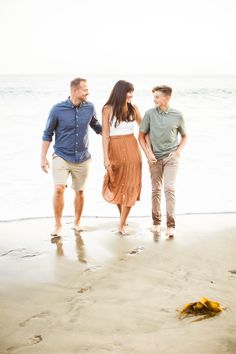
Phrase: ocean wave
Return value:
(24, 91)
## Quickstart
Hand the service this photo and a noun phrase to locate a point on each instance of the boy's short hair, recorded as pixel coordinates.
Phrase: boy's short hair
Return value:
(76, 82)
(167, 90)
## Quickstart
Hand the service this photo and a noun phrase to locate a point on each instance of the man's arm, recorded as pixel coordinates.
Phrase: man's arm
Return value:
(47, 138)
(44, 161)
(95, 125)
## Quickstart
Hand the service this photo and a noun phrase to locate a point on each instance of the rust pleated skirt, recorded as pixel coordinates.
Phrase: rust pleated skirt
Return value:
(122, 182)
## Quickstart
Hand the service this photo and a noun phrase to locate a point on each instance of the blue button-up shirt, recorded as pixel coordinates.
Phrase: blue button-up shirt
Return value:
(70, 124)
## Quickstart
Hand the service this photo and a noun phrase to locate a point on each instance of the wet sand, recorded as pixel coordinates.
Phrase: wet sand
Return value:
(99, 292)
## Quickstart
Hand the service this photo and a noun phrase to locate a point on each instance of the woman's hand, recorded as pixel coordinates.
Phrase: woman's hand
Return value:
(151, 158)
(107, 163)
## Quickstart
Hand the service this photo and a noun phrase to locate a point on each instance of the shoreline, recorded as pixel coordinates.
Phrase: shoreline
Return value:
(98, 292)
(115, 217)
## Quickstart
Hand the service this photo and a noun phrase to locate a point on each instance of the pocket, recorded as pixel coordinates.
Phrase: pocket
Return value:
(173, 156)
(54, 156)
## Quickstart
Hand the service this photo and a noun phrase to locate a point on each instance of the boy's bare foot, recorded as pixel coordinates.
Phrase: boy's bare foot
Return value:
(79, 228)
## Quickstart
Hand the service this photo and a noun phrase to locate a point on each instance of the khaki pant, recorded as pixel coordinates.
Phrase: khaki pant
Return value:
(165, 169)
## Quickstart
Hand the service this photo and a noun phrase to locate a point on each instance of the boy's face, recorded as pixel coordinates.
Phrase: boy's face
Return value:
(160, 99)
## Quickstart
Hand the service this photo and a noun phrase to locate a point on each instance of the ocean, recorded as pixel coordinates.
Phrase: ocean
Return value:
(207, 174)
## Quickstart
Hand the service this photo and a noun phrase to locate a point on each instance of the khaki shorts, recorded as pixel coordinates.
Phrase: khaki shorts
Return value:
(62, 168)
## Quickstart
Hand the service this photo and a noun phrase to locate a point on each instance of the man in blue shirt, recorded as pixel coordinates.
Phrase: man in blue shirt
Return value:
(70, 121)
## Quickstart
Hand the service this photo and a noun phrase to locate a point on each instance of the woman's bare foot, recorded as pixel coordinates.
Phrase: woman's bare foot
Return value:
(122, 230)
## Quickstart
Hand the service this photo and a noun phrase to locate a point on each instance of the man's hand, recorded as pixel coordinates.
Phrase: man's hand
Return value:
(44, 164)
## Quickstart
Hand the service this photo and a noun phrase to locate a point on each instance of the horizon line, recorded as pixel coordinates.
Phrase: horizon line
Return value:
(110, 74)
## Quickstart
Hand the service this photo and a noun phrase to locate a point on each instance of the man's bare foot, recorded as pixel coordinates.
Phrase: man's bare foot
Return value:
(57, 231)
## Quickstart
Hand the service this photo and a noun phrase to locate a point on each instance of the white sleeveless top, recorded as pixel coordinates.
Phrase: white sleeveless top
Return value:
(122, 129)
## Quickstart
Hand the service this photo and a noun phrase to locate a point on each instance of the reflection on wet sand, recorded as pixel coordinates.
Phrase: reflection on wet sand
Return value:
(58, 242)
(79, 243)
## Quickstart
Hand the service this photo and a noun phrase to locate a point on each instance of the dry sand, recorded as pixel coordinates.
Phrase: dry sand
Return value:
(99, 292)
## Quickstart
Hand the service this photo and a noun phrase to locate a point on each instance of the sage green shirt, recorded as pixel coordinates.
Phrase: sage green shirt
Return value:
(163, 128)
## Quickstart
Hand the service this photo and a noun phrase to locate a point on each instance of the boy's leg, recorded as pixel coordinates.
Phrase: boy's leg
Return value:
(171, 165)
(156, 171)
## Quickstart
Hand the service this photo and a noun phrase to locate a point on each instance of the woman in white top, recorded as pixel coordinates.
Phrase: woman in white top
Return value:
(122, 156)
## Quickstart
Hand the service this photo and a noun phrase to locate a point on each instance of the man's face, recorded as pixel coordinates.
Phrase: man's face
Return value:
(160, 99)
(81, 91)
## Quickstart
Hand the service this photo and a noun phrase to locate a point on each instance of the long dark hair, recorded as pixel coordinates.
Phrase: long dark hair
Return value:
(117, 100)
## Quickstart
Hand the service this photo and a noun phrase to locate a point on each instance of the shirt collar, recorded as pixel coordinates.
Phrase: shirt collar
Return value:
(72, 105)
(163, 112)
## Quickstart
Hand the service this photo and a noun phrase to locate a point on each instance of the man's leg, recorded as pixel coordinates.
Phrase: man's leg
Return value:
(171, 164)
(156, 171)
(78, 204)
(60, 174)
(79, 174)
(58, 205)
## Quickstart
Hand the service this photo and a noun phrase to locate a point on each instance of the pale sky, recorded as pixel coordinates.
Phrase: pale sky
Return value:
(118, 36)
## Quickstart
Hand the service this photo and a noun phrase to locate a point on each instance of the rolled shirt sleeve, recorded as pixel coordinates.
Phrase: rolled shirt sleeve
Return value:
(50, 126)
(145, 125)
(182, 127)
(94, 124)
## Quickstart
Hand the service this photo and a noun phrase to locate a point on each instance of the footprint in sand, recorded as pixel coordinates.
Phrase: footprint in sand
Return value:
(92, 268)
(15, 251)
(31, 341)
(38, 315)
(137, 250)
(83, 290)
(131, 253)
(20, 253)
(232, 271)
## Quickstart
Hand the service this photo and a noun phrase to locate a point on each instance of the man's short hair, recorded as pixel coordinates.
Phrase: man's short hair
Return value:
(76, 82)
(166, 90)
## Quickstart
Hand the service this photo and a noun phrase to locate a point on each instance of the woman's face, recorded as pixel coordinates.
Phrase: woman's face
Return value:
(129, 96)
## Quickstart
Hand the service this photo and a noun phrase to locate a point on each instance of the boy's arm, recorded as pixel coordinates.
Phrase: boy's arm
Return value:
(182, 144)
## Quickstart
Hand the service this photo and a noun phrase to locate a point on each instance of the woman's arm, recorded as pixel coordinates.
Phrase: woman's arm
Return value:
(138, 116)
(106, 134)
(145, 143)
